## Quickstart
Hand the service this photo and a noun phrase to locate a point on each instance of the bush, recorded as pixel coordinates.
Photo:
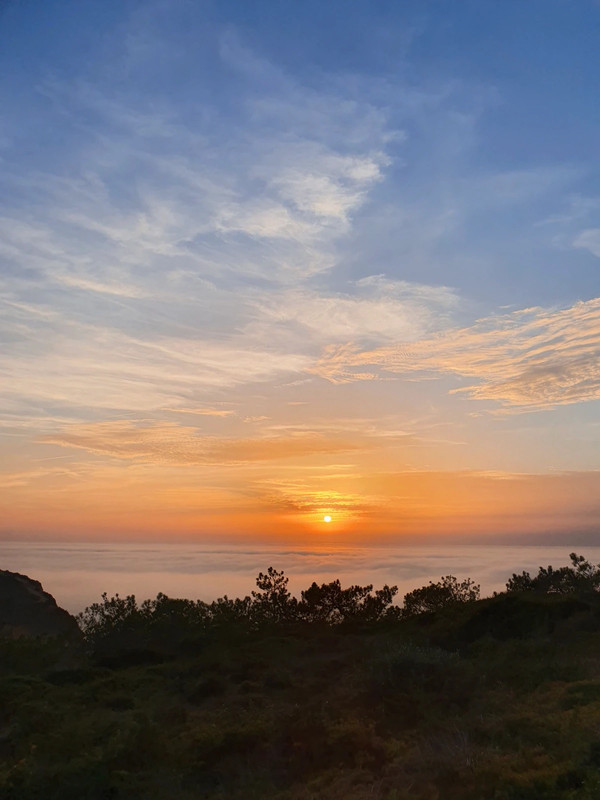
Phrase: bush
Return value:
(580, 578)
(118, 625)
(446, 592)
(273, 603)
(331, 604)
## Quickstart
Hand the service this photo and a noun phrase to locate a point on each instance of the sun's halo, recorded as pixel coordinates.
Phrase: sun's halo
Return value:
(326, 518)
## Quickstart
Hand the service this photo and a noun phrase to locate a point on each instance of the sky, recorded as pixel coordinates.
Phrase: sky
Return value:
(263, 263)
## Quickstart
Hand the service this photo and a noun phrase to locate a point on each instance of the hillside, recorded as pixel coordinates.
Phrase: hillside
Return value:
(494, 699)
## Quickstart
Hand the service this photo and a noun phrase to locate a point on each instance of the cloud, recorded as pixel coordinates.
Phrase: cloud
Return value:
(306, 501)
(313, 495)
(326, 185)
(117, 289)
(99, 368)
(529, 359)
(368, 428)
(589, 239)
(140, 357)
(206, 412)
(11, 480)
(168, 443)
(137, 265)
(154, 189)
(376, 310)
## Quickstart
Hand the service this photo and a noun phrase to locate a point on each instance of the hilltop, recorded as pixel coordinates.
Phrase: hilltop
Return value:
(340, 694)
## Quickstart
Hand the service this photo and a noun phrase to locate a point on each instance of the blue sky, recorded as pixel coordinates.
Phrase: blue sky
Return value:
(495, 104)
(338, 239)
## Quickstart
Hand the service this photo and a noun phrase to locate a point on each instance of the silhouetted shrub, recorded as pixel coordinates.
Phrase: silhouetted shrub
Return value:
(273, 603)
(119, 631)
(580, 578)
(446, 592)
(331, 604)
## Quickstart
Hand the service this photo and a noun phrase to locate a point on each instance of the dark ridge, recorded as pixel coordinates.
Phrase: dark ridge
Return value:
(27, 610)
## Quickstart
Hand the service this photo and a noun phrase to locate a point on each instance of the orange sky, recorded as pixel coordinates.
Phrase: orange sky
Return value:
(287, 499)
(250, 278)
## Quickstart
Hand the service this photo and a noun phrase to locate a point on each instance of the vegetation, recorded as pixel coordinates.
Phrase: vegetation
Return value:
(580, 578)
(337, 694)
(447, 592)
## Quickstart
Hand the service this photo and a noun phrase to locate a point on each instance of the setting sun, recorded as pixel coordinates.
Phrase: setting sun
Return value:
(326, 518)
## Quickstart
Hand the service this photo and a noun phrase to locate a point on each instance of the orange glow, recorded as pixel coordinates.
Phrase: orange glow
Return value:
(133, 501)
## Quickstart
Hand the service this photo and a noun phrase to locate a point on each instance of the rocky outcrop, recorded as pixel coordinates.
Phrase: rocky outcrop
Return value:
(27, 610)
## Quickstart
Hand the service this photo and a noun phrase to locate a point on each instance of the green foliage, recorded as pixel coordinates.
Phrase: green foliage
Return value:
(406, 666)
(117, 627)
(331, 604)
(580, 578)
(111, 614)
(272, 696)
(273, 603)
(448, 591)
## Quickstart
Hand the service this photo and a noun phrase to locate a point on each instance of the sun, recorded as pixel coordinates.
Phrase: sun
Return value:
(326, 518)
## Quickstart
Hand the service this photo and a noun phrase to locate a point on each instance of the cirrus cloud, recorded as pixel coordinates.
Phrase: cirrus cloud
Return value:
(528, 359)
(169, 443)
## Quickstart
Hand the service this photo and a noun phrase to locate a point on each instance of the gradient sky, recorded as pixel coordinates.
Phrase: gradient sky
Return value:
(263, 262)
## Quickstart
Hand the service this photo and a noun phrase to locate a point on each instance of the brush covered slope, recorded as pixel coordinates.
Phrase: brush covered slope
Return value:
(340, 695)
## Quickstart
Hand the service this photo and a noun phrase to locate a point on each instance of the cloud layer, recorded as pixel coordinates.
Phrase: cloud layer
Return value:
(531, 359)
(168, 443)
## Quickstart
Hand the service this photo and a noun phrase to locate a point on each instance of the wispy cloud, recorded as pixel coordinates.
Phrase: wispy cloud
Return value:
(529, 359)
(306, 499)
(152, 194)
(168, 443)
(205, 412)
(144, 272)
(133, 365)
(95, 367)
(589, 239)
(375, 309)
(11, 480)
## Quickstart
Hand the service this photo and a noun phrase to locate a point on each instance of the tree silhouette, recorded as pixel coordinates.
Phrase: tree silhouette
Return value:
(446, 592)
(274, 602)
(580, 578)
(331, 604)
